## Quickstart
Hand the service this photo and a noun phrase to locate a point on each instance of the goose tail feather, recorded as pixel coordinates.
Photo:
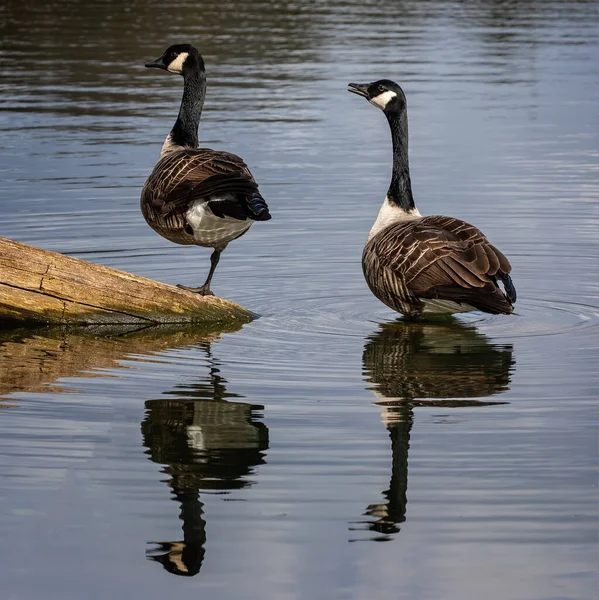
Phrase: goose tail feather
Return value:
(258, 207)
(508, 285)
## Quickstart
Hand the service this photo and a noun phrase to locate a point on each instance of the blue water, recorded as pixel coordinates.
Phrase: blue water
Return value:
(324, 450)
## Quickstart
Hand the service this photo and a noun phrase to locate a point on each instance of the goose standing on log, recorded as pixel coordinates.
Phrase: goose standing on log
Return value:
(426, 265)
(197, 195)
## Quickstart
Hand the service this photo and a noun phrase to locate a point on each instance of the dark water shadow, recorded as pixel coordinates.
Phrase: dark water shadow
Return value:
(205, 444)
(411, 365)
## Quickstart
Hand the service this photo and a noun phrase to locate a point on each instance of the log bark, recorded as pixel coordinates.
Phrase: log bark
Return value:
(40, 287)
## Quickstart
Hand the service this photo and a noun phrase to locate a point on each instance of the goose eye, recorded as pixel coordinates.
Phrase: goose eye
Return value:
(381, 88)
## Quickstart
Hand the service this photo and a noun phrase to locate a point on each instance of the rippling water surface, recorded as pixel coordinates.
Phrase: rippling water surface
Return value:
(274, 461)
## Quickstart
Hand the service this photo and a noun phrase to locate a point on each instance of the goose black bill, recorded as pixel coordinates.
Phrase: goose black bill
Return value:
(358, 88)
(156, 64)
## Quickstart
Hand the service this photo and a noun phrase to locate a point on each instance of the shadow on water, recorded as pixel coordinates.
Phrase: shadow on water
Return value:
(425, 364)
(205, 444)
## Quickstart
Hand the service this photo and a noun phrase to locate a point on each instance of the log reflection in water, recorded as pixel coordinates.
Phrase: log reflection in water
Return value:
(205, 444)
(425, 364)
(34, 360)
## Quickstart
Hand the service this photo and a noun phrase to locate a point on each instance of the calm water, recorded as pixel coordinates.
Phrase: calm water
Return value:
(273, 462)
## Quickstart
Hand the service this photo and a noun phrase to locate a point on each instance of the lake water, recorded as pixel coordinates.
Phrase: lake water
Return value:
(325, 450)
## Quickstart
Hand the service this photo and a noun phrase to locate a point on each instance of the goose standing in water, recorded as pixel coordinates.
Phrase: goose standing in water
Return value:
(426, 265)
(197, 195)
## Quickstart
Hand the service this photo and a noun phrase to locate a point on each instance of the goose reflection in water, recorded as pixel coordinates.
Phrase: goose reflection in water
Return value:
(425, 364)
(205, 443)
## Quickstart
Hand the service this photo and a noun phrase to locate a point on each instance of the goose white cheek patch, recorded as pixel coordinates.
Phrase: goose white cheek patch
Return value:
(176, 66)
(383, 99)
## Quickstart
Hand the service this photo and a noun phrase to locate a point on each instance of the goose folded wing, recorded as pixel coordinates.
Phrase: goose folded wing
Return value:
(205, 174)
(450, 260)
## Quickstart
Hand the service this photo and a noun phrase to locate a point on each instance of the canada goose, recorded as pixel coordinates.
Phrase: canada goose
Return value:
(197, 195)
(425, 265)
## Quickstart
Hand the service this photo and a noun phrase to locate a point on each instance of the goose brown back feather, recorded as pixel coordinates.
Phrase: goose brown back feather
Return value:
(435, 257)
(183, 176)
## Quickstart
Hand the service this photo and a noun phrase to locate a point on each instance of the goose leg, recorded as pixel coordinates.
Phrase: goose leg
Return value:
(204, 290)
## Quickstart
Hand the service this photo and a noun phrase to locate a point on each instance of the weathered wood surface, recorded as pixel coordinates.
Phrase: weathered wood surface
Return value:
(39, 287)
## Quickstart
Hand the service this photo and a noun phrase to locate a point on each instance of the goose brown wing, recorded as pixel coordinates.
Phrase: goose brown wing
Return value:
(189, 175)
(448, 259)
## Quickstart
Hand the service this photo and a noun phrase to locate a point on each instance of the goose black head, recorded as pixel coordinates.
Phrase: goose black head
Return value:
(384, 93)
(179, 58)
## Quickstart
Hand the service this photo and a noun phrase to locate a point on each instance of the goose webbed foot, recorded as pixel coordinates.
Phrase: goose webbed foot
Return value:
(203, 290)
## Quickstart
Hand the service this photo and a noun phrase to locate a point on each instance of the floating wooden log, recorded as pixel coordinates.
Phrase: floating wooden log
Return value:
(39, 287)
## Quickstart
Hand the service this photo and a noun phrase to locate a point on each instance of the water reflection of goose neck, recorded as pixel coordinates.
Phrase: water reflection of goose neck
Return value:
(393, 511)
(184, 557)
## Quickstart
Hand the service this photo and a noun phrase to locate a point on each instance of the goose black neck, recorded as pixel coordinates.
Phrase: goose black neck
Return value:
(400, 189)
(185, 130)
